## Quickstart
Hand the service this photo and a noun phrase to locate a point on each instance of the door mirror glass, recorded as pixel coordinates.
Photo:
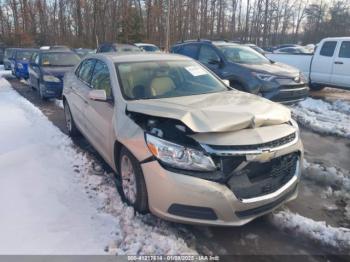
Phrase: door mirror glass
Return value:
(98, 95)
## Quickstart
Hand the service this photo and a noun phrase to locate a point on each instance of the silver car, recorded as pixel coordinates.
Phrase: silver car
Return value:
(187, 147)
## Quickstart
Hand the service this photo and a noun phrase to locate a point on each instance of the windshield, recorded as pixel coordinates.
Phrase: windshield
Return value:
(8, 53)
(242, 54)
(164, 79)
(59, 59)
(24, 55)
(150, 48)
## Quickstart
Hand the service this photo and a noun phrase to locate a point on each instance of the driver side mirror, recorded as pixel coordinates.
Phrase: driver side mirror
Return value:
(215, 61)
(98, 95)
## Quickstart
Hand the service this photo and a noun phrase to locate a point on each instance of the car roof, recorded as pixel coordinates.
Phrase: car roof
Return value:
(138, 57)
(144, 44)
(56, 51)
(27, 49)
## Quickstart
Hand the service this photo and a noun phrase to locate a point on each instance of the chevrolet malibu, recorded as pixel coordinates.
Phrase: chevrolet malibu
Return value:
(187, 147)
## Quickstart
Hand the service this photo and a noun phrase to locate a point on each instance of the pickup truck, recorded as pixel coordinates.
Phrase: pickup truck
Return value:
(329, 66)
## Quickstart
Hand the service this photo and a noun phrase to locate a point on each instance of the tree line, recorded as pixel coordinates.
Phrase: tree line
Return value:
(87, 23)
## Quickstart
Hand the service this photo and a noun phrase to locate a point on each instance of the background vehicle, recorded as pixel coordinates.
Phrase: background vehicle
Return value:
(8, 56)
(256, 48)
(47, 69)
(2, 52)
(82, 52)
(20, 62)
(247, 70)
(110, 47)
(173, 129)
(148, 47)
(293, 50)
(329, 66)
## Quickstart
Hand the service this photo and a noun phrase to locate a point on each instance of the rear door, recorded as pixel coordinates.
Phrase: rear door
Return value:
(79, 98)
(341, 68)
(322, 64)
(99, 114)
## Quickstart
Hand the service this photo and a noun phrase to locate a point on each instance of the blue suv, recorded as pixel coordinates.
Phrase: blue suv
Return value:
(20, 62)
(247, 70)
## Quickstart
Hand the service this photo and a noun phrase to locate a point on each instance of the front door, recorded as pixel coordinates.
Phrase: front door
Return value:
(99, 114)
(341, 67)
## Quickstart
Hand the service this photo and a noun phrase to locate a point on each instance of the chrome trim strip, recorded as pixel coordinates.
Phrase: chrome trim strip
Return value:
(276, 193)
(212, 151)
(294, 89)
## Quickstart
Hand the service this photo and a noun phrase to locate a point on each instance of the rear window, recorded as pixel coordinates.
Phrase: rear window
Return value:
(59, 59)
(189, 50)
(345, 49)
(24, 55)
(328, 48)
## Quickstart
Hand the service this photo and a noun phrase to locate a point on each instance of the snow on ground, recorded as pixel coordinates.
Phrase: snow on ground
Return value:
(324, 117)
(52, 202)
(5, 73)
(59, 103)
(338, 238)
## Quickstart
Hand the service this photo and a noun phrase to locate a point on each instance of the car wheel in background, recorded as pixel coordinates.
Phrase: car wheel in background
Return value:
(316, 87)
(70, 124)
(40, 92)
(133, 185)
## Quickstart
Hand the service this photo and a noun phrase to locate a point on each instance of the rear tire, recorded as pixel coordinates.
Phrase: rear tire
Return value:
(70, 124)
(134, 191)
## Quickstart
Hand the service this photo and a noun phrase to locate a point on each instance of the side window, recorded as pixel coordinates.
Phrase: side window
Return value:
(345, 49)
(189, 50)
(328, 48)
(37, 58)
(106, 49)
(101, 79)
(207, 55)
(86, 69)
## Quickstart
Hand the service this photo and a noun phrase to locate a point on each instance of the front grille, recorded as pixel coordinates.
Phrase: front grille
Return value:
(275, 143)
(258, 179)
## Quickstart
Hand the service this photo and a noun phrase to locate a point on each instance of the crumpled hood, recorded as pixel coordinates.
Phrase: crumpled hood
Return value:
(217, 112)
(277, 69)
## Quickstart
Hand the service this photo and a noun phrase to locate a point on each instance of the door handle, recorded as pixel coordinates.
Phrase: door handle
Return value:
(338, 63)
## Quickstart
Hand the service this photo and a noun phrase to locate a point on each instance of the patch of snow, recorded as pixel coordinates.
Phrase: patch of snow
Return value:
(328, 176)
(5, 73)
(59, 103)
(324, 117)
(318, 231)
(51, 201)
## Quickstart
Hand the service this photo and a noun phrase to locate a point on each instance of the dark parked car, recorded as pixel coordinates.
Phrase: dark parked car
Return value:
(82, 52)
(293, 50)
(110, 47)
(247, 70)
(2, 52)
(8, 57)
(20, 62)
(47, 69)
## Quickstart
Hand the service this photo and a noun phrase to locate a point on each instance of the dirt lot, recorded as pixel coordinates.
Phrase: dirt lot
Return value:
(261, 236)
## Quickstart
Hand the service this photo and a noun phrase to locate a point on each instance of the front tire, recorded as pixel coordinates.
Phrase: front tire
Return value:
(133, 183)
(70, 124)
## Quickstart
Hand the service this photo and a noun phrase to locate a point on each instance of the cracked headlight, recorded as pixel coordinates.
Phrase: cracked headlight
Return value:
(50, 78)
(264, 77)
(178, 156)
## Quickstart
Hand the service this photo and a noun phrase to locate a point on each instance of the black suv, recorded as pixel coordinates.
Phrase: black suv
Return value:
(247, 70)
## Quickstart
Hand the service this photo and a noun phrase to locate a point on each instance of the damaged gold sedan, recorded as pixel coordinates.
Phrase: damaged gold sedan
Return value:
(187, 147)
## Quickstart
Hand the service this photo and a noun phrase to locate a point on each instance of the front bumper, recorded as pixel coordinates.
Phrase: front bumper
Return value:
(52, 90)
(188, 199)
(288, 92)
